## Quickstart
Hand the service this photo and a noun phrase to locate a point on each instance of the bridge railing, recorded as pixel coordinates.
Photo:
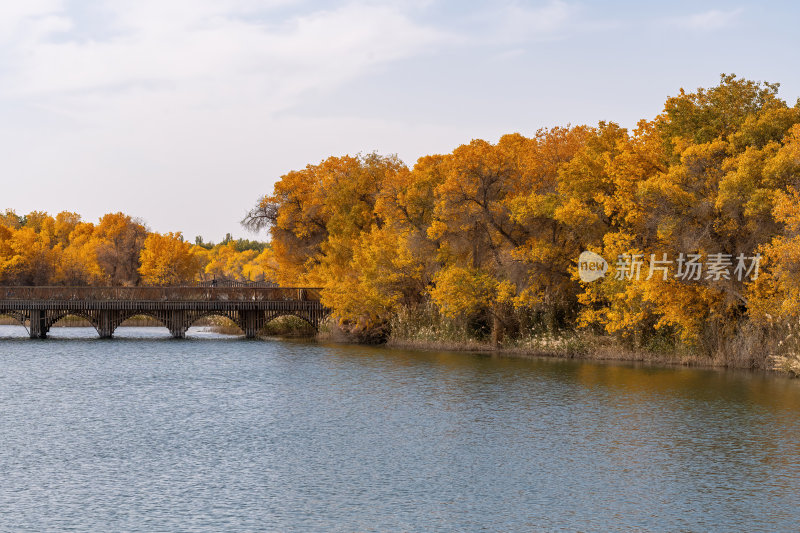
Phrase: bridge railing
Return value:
(231, 283)
(160, 293)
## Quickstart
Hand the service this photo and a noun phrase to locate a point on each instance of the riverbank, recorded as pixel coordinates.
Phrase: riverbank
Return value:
(745, 352)
(752, 347)
(590, 349)
(585, 346)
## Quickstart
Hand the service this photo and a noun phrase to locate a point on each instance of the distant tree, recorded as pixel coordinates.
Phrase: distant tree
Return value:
(121, 241)
(167, 260)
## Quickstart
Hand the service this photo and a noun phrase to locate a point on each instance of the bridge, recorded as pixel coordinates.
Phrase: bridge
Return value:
(249, 307)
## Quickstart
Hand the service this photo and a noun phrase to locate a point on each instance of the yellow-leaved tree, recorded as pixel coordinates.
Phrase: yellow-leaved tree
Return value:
(167, 260)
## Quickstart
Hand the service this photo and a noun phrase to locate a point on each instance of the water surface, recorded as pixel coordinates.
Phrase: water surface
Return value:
(216, 433)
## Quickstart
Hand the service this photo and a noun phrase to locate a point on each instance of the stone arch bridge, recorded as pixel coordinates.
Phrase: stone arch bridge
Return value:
(250, 308)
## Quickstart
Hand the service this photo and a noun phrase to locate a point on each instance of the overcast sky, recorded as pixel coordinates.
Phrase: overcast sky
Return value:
(185, 112)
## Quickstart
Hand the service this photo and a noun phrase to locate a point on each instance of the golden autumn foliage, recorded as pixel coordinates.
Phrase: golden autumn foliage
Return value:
(489, 234)
(167, 260)
(322, 220)
(494, 230)
(38, 249)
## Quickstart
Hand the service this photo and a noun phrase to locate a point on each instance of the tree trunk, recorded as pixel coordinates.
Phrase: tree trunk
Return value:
(497, 331)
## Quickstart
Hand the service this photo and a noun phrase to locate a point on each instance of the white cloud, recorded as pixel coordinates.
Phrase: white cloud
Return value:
(196, 43)
(709, 20)
(170, 100)
(185, 111)
(12, 14)
(515, 23)
(548, 18)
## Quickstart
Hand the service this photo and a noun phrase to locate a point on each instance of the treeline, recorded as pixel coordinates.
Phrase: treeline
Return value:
(489, 235)
(39, 249)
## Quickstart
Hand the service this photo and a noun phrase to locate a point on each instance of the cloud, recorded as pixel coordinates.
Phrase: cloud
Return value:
(174, 45)
(12, 14)
(152, 105)
(185, 111)
(513, 22)
(517, 23)
(536, 21)
(709, 20)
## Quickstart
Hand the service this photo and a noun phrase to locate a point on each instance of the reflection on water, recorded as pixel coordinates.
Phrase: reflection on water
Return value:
(215, 433)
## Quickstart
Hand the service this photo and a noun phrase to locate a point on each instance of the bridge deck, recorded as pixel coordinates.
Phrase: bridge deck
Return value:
(160, 293)
(177, 307)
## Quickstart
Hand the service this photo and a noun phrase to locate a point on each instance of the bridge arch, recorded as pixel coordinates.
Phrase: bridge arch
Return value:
(20, 316)
(123, 317)
(298, 314)
(233, 316)
(52, 320)
(174, 322)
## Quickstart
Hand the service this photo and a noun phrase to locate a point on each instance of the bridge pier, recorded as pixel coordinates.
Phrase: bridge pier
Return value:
(177, 324)
(105, 324)
(251, 322)
(39, 327)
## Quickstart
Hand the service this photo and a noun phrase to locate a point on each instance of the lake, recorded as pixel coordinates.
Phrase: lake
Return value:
(218, 433)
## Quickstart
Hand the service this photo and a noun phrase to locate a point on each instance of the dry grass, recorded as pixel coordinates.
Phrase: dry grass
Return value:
(585, 346)
(288, 326)
(142, 321)
(752, 347)
(783, 350)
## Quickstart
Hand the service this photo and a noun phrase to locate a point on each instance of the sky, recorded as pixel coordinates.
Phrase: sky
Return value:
(185, 112)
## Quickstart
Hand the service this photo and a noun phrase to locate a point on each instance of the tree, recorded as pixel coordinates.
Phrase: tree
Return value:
(121, 242)
(167, 260)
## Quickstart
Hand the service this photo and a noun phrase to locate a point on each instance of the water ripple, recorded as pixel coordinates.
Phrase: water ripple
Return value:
(215, 433)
